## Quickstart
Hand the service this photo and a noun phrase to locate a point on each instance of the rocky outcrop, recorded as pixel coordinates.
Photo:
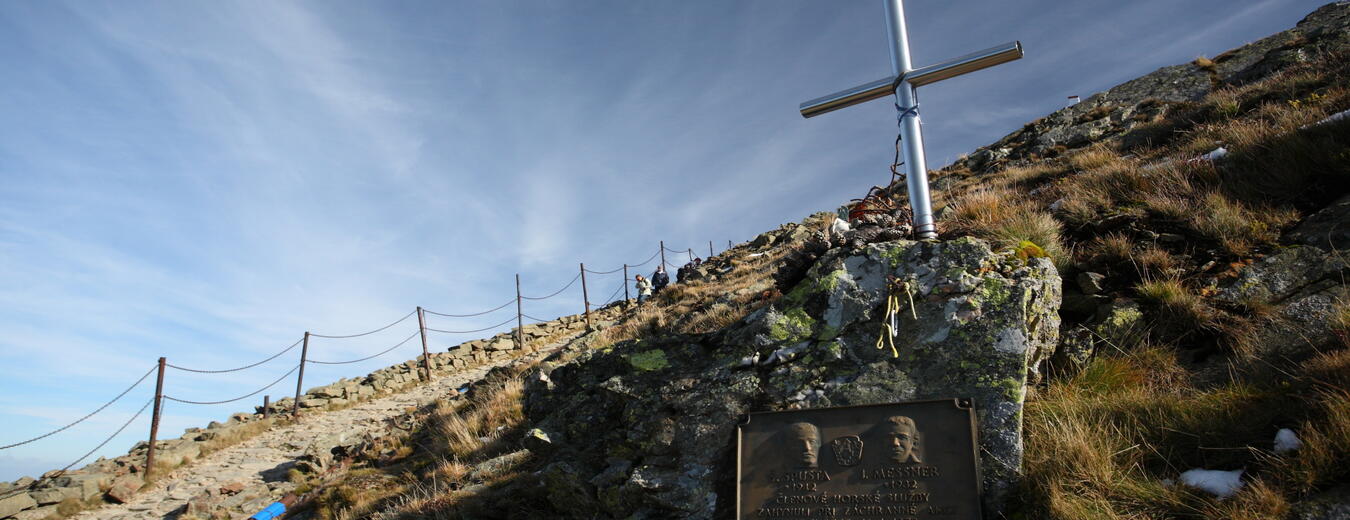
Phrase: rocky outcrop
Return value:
(645, 428)
(1132, 105)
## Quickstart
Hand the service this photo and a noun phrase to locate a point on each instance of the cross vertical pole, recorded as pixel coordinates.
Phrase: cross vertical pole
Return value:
(300, 380)
(422, 328)
(625, 285)
(520, 321)
(585, 297)
(911, 130)
(154, 420)
(663, 253)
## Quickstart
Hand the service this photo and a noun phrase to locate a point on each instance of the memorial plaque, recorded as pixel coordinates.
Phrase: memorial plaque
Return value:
(915, 460)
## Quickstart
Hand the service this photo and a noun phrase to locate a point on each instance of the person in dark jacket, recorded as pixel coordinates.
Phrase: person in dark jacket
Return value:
(660, 279)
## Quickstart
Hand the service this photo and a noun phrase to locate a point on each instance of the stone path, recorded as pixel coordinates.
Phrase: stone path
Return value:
(260, 464)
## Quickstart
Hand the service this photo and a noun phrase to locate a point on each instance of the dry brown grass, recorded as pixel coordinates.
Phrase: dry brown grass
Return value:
(1155, 262)
(1008, 219)
(1180, 311)
(1094, 157)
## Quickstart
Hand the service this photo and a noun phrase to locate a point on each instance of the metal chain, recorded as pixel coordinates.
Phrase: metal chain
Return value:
(541, 320)
(248, 395)
(91, 414)
(508, 320)
(647, 261)
(400, 320)
(381, 353)
(616, 294)
(90, 452)
(489, 311)
(557, 292)
(606, 272)
(245, 367)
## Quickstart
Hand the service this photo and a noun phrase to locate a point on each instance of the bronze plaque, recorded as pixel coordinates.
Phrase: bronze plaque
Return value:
(915, 460)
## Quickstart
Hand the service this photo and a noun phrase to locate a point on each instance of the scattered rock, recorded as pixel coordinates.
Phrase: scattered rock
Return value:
(124, 487)
(1090, 283)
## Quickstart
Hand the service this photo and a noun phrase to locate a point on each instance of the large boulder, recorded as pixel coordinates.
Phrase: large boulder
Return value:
(658, 416)
(11, 505)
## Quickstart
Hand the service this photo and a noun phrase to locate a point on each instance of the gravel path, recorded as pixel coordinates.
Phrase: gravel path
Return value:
(265, 459)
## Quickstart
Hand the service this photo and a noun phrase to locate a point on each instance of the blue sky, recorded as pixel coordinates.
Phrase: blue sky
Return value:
(207, 180)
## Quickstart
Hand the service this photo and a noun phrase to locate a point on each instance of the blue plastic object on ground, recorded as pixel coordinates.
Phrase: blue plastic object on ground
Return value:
(273, 511)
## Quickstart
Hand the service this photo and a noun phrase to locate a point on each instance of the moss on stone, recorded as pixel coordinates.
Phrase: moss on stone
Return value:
(793, 325)
(827, 332)
(834, 349)
(894, 256)
(994, 291)
(647, 361)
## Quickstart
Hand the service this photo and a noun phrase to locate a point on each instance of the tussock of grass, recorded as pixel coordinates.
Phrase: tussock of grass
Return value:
(1008, 219)
(1093, 158)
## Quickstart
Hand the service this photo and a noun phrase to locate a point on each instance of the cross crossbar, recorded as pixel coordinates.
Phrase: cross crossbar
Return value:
(903, 80)
(881, 88)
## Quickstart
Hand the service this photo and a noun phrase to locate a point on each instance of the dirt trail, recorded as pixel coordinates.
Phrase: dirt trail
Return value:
(260, 464)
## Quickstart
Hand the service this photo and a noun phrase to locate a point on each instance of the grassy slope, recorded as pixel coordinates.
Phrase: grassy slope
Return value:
(1101, 443)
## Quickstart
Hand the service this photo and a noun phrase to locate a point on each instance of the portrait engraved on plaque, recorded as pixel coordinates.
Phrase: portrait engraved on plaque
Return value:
(803, 444)
(847, 450)
(902, 435)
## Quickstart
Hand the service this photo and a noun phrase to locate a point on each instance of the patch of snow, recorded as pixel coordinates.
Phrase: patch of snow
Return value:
(1222, 484)
(1216, 154)
(1338, 116)
(1286, 441)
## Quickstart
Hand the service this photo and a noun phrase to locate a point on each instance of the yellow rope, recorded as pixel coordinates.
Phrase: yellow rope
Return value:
(887, 333)
(893, 306)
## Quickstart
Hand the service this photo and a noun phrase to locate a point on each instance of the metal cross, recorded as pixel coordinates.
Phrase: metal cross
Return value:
(902, 82)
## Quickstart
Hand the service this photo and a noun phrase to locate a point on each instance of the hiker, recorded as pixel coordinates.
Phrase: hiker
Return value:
(644, 289)
(682, 274)
(660, 279)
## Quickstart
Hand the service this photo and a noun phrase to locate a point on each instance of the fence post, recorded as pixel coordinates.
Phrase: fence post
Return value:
(422, 327)
(300, 381)
(625, 285)
(267, 406)
(710, 251)
(520, 327)
(691, 254)
(585, 296)
(154, 420)
(663, 253)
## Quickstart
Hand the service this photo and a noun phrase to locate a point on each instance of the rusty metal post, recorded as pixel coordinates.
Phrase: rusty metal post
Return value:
(520, 322)
(154, 420)
(422, 326)
(625, 285)
(300, 381)
(267, 406)
(663, 253)
(710, 252)
(691, 254)
(585, 296)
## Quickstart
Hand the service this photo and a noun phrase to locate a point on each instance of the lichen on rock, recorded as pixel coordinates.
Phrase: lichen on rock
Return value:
(662, 446)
